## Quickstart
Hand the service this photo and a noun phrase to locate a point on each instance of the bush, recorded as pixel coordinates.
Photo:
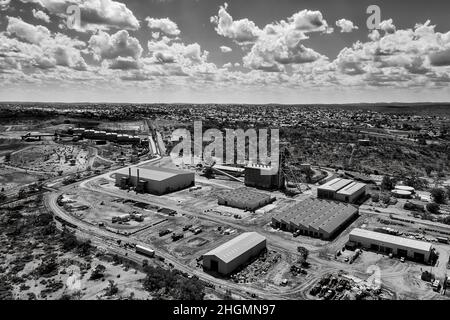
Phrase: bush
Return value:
(413, 207)
(438, 195)
(433, 208)
(173, 283)
(376, 197)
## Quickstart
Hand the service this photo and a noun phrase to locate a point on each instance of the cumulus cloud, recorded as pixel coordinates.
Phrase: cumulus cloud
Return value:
(36, 47)
(345, 25)
(96, 14)
(165, 25)
(241, 31)
(120, 44)
(225, 49)
(387, 26)
(165, 51)
(309, 21)
(41, 15)
(276, 45)
(399, 57)
(122, 63)
(26, 31)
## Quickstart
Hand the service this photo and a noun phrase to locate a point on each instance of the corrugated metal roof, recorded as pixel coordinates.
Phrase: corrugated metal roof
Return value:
(318, 214)
(351, 188)
(153, 173)
(335, 184)
(235, 247)
(392, 240)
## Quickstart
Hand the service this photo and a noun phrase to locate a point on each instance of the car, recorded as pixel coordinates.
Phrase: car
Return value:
(346, 259)
(402, 259)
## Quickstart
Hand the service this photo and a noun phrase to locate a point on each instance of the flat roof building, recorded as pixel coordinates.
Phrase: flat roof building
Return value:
(244, 198)
(155, 180)
(316, 218)
(234, 253)
(386, 243)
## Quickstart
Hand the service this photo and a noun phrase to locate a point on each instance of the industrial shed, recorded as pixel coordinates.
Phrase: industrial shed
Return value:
(234, 253)
(316, 218)
(154, 180)
(244, 198)
(386, 243)
(351, 192)
(344, 190)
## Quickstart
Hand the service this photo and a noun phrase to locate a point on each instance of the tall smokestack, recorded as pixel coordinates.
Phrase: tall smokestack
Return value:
(129, 173)
(137, 175)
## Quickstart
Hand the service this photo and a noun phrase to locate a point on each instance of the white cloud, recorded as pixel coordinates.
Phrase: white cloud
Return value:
(387, 26)
(346, 26)
(165, 25)
(166, 51)
(95, 14)
(225, 49)
(121, 63)
(277, 44)
(26, 31)
(309, 21)
(36, 47)
(120, 44)
(241, 31)
(41, 15)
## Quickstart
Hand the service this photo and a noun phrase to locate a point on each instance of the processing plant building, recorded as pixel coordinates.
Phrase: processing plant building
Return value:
(154, 180)
(264, 177)
(234, 253)
(316, 218)
(386, 243)
(342, 190)
(244, 198)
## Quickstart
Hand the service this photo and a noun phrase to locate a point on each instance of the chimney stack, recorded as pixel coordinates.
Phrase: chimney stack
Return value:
(129, 173)
(137, 175)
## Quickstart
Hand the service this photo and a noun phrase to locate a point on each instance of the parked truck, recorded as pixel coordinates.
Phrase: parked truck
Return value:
(145, 251)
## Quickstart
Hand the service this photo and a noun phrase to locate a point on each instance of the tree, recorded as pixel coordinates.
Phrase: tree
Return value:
(376, 197)
(385, 198)
(22, 193)
(3, 197)
(303, 252)
(111, 289)
(387, 183)
(433, 208)
(448, 191)
(438, 195)
(98, 272)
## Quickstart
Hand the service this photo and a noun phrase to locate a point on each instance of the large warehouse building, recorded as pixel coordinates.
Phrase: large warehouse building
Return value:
(234, 253)
(342, 190)
(386, 243)
(244, 198)
(155, 180)
(316, 218)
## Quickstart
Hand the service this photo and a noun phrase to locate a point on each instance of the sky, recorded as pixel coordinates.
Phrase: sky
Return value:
(239, 51)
